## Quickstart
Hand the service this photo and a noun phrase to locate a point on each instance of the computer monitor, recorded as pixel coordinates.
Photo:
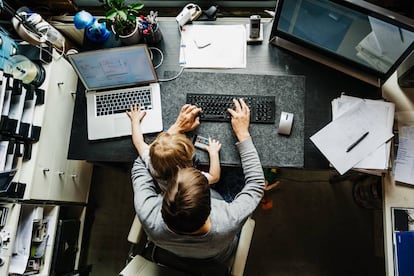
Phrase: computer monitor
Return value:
(356, 37)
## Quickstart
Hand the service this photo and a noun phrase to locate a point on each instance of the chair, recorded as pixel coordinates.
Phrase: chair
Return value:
(138, 265)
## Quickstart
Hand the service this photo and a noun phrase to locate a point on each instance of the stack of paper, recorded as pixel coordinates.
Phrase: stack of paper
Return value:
(404, 163)
(358, 136)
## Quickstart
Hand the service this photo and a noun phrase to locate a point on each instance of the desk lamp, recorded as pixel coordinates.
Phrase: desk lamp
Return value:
(95, 31)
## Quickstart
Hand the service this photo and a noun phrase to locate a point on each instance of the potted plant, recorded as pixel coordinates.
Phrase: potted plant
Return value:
(122, 18)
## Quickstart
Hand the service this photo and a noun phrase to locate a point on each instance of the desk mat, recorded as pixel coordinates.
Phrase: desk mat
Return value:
(274, 150)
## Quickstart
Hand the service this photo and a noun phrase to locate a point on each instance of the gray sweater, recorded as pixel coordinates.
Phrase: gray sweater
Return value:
(227, 219)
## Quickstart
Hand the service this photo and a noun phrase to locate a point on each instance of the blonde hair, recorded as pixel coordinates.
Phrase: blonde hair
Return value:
(168, 153)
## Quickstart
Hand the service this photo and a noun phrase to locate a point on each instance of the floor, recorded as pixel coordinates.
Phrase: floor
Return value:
(306, 226)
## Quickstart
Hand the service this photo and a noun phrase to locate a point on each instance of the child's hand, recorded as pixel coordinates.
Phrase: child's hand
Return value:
(136, 114)
(214, 146)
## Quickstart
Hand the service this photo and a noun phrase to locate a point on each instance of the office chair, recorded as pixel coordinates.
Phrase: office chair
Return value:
(165, 264)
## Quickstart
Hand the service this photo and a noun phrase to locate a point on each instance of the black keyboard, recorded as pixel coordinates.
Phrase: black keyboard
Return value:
(262, 108)
(121, 101)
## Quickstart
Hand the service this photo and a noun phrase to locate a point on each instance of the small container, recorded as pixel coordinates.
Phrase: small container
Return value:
(25, 70)
(154, 36)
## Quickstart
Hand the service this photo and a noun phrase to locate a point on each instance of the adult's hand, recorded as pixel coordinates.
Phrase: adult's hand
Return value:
(187, 120)
(240, 119)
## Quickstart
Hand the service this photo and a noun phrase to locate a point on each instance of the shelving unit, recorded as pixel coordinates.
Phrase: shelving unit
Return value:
(47, 190)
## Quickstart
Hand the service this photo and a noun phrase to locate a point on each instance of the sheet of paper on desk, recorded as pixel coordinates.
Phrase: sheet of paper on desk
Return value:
(378, 159)
(407, 132)
(404, 163)
(213, 46)
(335, 138)
(21, 251)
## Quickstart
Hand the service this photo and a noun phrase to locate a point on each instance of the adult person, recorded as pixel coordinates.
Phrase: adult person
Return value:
(205, 228)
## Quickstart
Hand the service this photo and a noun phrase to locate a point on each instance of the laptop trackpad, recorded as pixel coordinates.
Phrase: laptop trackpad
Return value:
(122, 126)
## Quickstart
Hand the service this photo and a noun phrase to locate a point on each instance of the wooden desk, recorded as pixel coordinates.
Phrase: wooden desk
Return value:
(395, 194)
(322, 84)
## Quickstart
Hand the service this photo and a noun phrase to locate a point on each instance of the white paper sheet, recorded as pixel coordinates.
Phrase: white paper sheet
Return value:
(407, 132)
(213, 46)
(378, 159)
(335, 138)
(404, 163)
(22, 243)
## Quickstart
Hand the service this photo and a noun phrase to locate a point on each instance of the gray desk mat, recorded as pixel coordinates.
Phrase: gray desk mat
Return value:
(274, 150)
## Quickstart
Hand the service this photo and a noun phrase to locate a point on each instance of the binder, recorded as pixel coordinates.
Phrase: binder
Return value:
(66, 246)
(404, 253)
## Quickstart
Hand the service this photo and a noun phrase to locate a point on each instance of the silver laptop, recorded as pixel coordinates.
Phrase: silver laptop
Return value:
(115, 79)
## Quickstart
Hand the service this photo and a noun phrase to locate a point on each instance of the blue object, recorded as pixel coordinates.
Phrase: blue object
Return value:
(94, 31)
(404, 253)
(83, 19)
(8, 47)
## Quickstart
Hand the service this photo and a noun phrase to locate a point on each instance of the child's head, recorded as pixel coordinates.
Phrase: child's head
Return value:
(187, 204)
(168, 153)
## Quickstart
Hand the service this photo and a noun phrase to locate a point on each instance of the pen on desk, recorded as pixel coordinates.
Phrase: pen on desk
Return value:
(357, 141)
(401, 34)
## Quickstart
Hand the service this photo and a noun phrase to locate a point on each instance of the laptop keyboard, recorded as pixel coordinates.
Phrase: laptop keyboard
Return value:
(121, 101)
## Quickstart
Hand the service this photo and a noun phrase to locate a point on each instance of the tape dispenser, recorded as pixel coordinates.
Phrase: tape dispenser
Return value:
(189, 13)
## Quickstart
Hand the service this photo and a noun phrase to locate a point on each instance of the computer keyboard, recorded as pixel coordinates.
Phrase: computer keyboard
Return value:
(214, 106)
(120, 102)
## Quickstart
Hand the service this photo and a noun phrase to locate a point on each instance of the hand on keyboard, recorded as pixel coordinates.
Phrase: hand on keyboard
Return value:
(187, 120)
(214, 106)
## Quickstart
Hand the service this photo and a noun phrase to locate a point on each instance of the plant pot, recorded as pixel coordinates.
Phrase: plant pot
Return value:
(132, 38)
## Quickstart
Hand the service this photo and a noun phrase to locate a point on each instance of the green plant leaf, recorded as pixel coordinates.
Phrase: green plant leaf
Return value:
(111, 13)
(137, 6)
(122, 14)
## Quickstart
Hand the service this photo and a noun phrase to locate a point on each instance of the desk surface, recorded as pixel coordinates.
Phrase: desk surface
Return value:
(322, 84)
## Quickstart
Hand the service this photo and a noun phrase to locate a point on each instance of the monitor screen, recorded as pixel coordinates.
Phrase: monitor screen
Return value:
(353, 34)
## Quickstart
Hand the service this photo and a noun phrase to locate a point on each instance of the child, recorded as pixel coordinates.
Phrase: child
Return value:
(169, 152)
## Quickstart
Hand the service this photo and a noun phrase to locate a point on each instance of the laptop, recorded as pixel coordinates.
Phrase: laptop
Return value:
(111, 78)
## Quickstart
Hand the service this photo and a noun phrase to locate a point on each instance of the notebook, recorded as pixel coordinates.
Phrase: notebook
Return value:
(109, 75)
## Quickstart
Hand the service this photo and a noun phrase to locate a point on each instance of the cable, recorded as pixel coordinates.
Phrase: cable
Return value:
(161, 56)
(160, 63)
(61, 52)
(172, 78)
(162, 60)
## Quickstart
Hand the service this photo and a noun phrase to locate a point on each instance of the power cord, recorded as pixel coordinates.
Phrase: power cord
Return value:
(160, 63)
(173, 78)
(152, 56)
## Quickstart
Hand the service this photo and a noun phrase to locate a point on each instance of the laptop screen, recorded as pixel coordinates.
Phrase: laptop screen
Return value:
(114, 67)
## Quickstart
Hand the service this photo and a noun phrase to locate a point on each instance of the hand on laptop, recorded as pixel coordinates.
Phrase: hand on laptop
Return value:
(136, 115)
(187, 120)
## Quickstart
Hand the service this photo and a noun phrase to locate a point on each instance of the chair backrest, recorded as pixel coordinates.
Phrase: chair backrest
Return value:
(158, 261)
(191, 266)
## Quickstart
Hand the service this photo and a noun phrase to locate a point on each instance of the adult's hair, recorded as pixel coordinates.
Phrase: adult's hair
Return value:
(186, 204)
(169, 152)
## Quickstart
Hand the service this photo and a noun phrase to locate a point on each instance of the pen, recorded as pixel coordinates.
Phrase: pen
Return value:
(357, 141)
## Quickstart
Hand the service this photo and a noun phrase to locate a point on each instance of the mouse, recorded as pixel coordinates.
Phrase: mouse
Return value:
(285, 124)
